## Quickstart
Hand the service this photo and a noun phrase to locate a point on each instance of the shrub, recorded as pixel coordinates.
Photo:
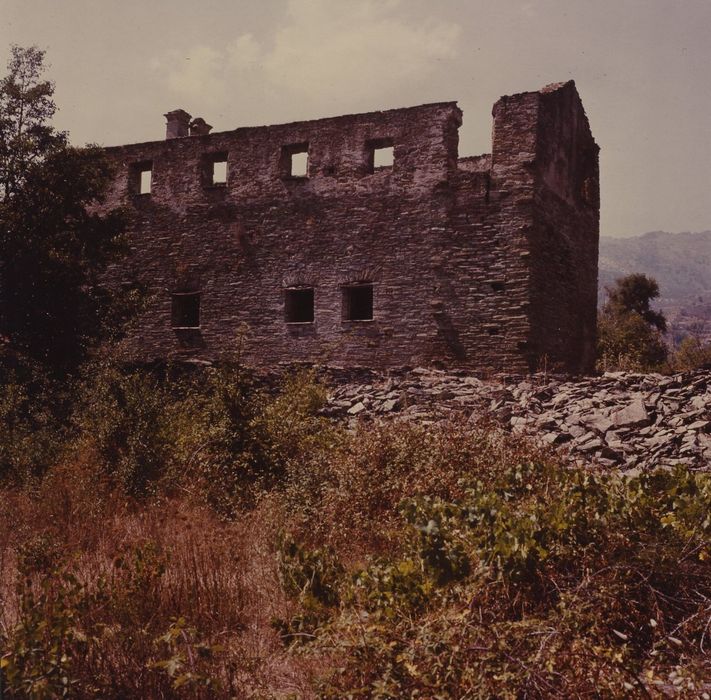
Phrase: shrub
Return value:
(123, 417)
(33, 424)
(574, 584)
(690, 355)
(216, 433)
(312, 578)
(627, 342)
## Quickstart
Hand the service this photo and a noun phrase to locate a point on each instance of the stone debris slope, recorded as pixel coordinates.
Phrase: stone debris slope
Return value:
(617, 420)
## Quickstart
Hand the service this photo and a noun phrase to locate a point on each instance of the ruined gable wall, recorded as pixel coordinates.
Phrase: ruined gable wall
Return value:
(545, 155)
(565, 237)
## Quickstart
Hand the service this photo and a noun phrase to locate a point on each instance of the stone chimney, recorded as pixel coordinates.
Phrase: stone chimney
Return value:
(199, 127)
(177, 124)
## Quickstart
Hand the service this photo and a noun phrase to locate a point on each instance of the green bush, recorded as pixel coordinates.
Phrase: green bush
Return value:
(690, 355)
(33, 425)
(216, 432)
(543, 582)
(627, 342)
(123, 416)
(39, 653)
(311, 577)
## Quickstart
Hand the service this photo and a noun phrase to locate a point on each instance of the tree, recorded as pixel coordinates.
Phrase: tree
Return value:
(26, 107)
(634, 293)
(53, 247)
(629, 331)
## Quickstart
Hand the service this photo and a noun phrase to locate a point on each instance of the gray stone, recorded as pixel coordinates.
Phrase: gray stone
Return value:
(590, 445)
(598, 422)
(633, 415)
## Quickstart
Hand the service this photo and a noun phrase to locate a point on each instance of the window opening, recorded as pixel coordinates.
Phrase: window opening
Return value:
(299, 164)
(214, 169)
(383, 157)
(186, 310)
(295, 160)
(380, 154)
(299, 305)
(219, 172)
(358, 302)
(141, 178)
(498, 285)
(145, 187)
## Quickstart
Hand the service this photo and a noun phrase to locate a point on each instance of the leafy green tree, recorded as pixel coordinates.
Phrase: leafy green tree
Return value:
(54, 248)
(634, 293)
(630, 333)
(26, 107)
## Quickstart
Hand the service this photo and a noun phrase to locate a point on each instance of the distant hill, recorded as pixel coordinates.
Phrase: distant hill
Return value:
(681, 264)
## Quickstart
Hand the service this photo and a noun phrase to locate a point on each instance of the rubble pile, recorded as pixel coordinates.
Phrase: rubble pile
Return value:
(617, 419)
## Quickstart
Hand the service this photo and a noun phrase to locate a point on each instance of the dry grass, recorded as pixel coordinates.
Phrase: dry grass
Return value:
(146, 565)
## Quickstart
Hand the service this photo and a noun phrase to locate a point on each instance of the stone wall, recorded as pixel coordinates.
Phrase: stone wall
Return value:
(483, 262)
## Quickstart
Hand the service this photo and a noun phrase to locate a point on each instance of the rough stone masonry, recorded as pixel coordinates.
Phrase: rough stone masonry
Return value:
(618, 419)
(303, 242)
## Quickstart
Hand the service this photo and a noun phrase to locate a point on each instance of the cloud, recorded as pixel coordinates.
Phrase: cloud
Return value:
(245, 52)
(196, 73)
(362, 48)
(324, 51)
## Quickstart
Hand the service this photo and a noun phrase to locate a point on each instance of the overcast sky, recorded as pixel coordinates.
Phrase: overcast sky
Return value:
(642, 67)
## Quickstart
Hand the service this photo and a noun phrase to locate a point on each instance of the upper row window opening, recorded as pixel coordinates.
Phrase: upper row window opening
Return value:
(219, 172)
(380, 154)
(215, 169)
(299, 164)
(145, 186)
(383, 157)
(141, 177)
(295, 160)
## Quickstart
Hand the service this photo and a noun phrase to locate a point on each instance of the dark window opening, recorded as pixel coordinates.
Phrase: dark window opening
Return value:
(493, 330)
(295, 160)
(299, 305)
(215, 170)
(380, 155)
(498, 285)
(358, 302)
(141, 177)
(186, 310)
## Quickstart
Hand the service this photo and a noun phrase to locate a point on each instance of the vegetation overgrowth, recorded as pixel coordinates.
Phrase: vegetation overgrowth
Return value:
(200, 534)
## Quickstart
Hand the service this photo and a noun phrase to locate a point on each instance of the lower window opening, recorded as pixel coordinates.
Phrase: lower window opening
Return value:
(358, 302)
(186, 310)
(299, 305)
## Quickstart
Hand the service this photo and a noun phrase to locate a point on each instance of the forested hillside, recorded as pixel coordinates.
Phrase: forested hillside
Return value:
(681, 264)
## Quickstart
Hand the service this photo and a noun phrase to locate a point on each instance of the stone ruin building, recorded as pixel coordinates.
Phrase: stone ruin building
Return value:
(366, 241)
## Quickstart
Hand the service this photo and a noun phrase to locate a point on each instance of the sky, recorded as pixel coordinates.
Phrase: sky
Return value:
(642, 68)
